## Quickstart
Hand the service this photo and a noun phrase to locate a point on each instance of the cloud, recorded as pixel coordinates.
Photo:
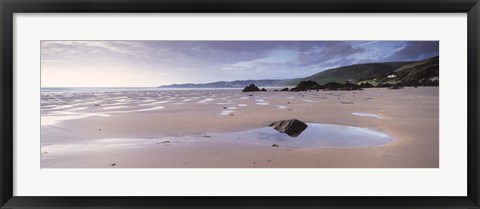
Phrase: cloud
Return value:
(415, 50)
(330, 52)
(205, 61)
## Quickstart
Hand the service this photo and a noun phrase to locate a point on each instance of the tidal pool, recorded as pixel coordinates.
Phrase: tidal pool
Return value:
(316, 135)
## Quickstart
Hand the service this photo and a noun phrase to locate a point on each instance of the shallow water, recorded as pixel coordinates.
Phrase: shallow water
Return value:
(55, 117)
(362, 114)
(114, 107)
(226, 112)
(206, 100)
(316, 135)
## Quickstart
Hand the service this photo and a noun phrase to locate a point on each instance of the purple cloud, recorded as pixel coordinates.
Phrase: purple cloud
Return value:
(203, 61)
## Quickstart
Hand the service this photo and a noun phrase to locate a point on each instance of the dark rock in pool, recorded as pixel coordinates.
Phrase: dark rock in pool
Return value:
(251, 88)
(284, 89)
(263, 89)
(291, 127)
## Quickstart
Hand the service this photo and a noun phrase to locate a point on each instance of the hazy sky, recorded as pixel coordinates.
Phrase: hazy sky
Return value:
(154, 63)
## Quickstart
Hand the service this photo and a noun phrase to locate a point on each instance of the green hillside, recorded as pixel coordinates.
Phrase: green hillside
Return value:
(411, 73)
(423, 72)
(419, 70)
(353, 73)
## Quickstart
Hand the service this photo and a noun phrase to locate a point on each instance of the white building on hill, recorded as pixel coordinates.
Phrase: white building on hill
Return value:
(392, 76)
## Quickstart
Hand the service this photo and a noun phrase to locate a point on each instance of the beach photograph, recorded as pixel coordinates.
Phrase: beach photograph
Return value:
(239, 104)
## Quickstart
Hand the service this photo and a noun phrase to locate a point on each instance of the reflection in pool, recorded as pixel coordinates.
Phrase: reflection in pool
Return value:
(316, 135)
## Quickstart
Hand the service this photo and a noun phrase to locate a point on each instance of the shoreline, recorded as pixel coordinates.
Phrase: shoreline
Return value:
(410, 118)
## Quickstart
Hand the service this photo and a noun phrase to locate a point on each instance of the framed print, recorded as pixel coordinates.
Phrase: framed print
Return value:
(239, 104)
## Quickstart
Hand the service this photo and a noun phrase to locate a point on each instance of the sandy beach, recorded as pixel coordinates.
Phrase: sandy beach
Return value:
(185, 128)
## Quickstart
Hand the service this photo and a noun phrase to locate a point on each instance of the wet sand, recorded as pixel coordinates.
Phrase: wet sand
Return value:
(142, 129)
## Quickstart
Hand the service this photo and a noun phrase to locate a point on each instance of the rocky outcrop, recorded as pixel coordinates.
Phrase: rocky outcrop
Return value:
(251, 88)
(307, 85)
(366, 85)
(396, 86)
(350, 87)
(284, 89)
(383, 85)
(291, 127)
(332, 86)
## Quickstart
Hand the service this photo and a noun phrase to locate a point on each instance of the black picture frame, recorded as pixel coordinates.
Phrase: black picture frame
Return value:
(9, 7)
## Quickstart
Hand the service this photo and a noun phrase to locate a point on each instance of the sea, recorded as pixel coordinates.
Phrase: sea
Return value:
(120, 89)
